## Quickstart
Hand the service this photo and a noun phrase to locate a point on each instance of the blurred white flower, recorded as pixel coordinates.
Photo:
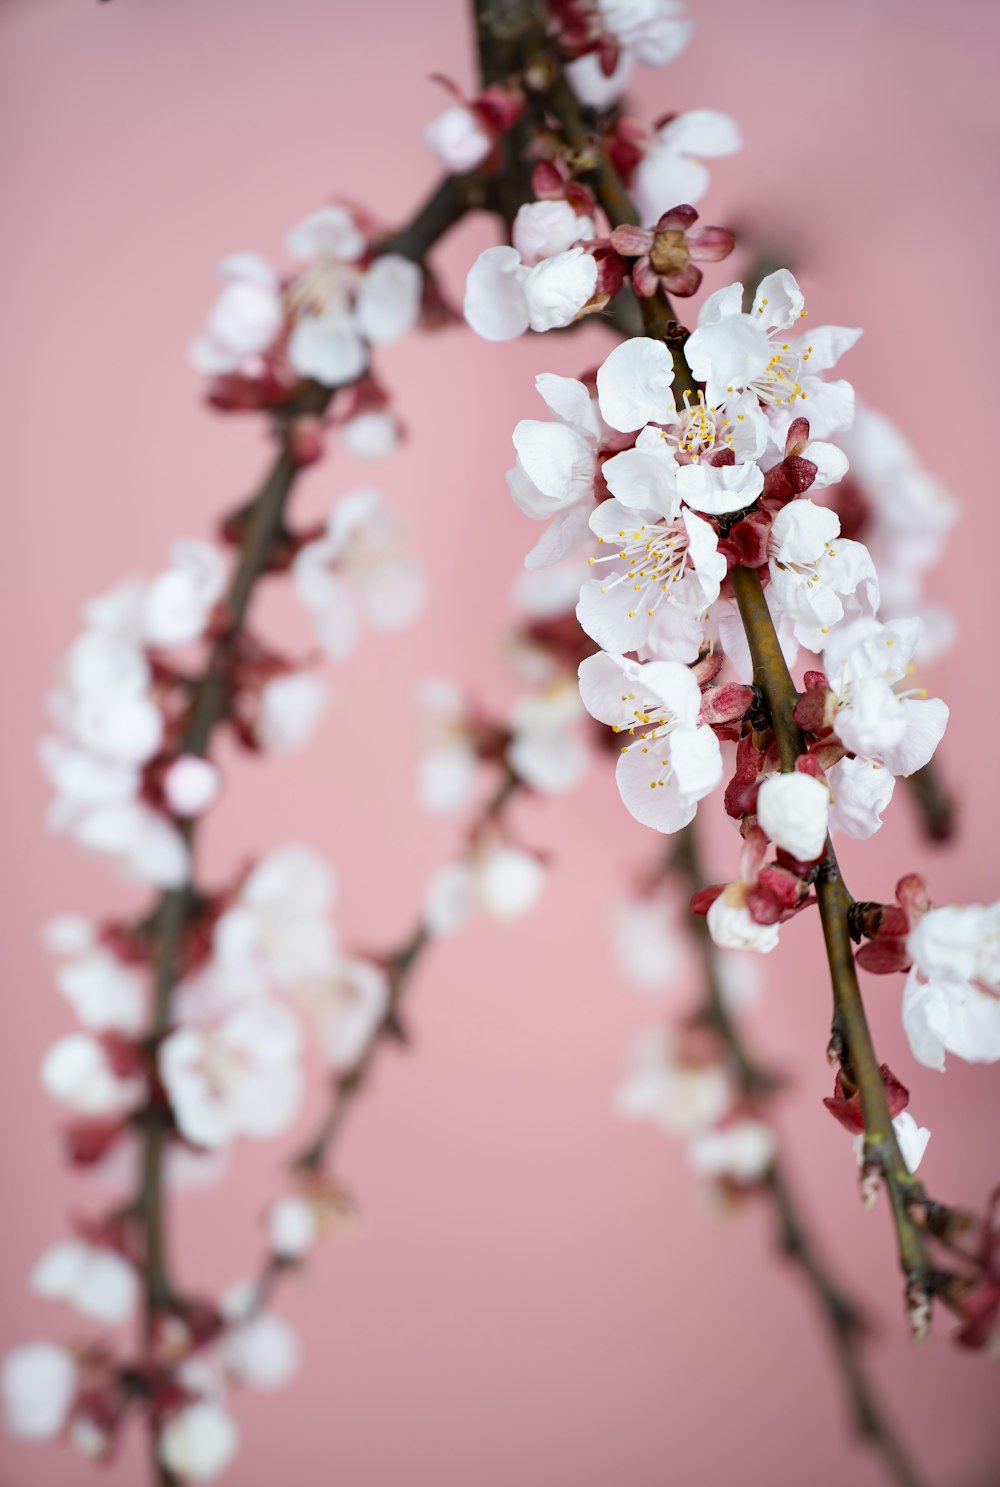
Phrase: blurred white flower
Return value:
(39, 1385)
(98, 1282)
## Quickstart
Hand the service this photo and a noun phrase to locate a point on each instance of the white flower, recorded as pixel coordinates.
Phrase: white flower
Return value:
(199, 1442)
(650, 944)
(911, 1138)
(449, 761)
(546, 750)
(860, 790)
(681, 1098)
(147, 845)
(458, 139)
(39, 1386)
(793, 809)
(245, 319)
(339, 307)
(556, 467)
(673, 170)
(349, 1006)
(908, 514)
(292, 1227)
(258, 1348)
(191, 785)
(951, 1001)
(240, 1079)
(504, 297)
(370, 436)
(69, 934)
(733, 927)
(496, 879)
(104, 994)
(358, 564)
(76, 1071)
(179, 603)
(741, 1151)
(656, 562)
(733, 353)
(678, 459)
(543, 228)
(289, 708)
(672, 761)
(279, 929)
(588, 81)
(864, 663)
(819, 578)
(655, 31)
(97, 1282)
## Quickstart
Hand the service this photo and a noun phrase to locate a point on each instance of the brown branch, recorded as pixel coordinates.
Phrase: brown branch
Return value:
(852, 1038)
(841, 1315)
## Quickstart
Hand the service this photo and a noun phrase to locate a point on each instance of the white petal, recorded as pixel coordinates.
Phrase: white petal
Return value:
(495, 304)
(634, 385)
(388, 302)
(793, 810)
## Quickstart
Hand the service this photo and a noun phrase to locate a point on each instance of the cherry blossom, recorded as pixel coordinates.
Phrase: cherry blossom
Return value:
(245, 319)
(793, 809)
(733, 353)
(39, 1385)
(347, 1006)
(96, 1281)
(356, 567)
(733, 927)
(178, 603)
(666, 255)
(496, 878)
(546, 750)
(289, 708)
(78, 1072)
(292, 1227)
(557, 466)
(682, 1098)
(278, 932)
(656, 564)
(819, 577)
(105, 994)
(449, 759)
(199, 1441)
(338, 307)
(504, 296)
(458, 138)
(672, 762)
(741, 1151)
(241, 1078)
(860, 790)
(258, 1348)
(864, 662)
(673, 170)
(951, 1001)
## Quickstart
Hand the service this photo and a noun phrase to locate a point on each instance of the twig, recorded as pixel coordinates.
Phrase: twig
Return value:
(841, 1315)
(850, 1026)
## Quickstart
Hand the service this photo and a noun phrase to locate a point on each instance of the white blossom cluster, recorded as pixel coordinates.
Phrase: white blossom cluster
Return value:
(265, 965)
(317, 321)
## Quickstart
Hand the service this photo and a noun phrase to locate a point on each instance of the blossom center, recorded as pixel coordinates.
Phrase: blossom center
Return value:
(655, 558)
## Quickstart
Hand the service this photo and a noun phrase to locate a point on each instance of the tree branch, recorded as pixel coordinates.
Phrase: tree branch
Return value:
(841, 1315)
(852, 1037)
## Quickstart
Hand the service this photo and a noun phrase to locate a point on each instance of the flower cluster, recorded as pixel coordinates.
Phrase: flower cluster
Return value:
(269, 334)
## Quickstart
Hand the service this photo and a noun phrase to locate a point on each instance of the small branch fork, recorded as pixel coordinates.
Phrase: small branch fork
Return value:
(842, 1316)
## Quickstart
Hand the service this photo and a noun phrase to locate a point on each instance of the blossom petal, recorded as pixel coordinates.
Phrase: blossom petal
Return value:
(634, 385)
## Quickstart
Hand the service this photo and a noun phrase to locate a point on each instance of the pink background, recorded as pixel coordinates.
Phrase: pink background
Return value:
(534, 1294)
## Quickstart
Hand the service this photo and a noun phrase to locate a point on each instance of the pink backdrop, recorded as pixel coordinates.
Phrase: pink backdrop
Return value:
(534, 1294)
